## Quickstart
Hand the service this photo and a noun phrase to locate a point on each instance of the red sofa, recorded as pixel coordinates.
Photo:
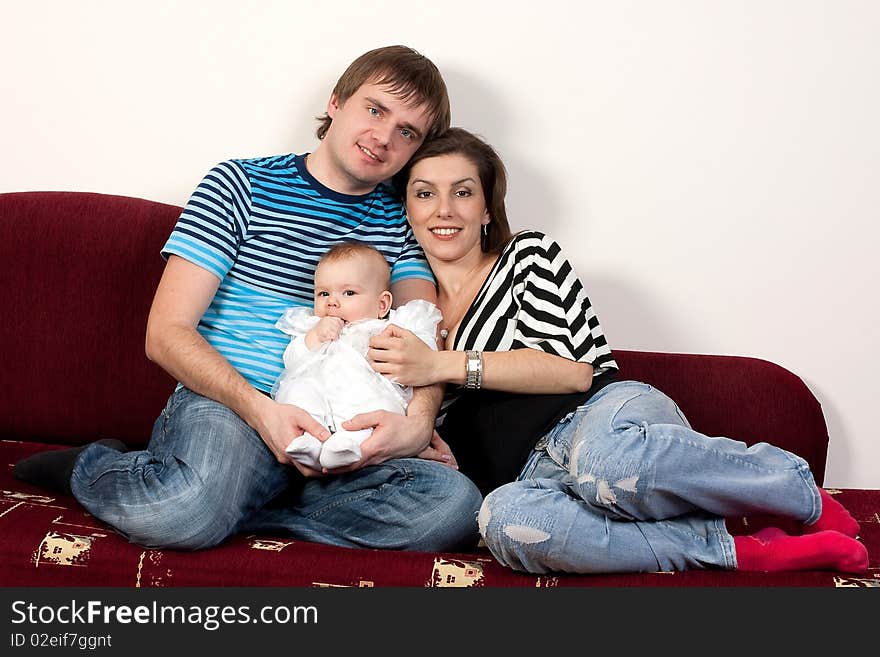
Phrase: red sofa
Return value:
(78, 272)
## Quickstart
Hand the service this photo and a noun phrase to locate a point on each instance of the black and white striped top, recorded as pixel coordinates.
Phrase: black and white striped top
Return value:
(531, 299)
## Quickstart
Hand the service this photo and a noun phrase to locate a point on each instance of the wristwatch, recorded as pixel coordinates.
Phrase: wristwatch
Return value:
(473, 369)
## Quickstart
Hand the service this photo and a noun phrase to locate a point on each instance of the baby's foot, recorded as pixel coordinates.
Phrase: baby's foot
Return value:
(306, 449)
(343, 448)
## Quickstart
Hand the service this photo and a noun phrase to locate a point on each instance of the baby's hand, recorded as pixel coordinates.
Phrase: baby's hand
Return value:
(326, 330)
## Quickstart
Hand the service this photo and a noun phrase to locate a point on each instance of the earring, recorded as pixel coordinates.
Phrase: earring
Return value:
(485, 230)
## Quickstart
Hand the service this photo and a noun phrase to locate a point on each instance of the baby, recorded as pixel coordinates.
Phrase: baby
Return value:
(326, 372)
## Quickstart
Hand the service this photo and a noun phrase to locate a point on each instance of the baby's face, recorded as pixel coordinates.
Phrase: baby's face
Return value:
(350, 288)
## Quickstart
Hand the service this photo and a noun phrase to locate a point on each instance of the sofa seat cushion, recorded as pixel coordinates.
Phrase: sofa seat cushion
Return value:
(49, 540)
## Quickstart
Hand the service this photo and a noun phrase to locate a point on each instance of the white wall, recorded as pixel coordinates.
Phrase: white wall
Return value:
(712, 168)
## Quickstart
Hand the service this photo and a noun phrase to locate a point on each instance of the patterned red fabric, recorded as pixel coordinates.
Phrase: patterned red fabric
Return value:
(47, 540)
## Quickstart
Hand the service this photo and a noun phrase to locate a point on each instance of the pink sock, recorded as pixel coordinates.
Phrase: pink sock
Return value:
(773, 550)
(835, 517)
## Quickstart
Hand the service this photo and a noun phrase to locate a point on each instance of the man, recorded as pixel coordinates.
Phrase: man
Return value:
(244, 250)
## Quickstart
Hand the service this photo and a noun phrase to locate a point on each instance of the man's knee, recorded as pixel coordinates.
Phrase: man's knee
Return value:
(450, 502)
(167, 503)
(189, 522)
(463, 508)
(460, 493)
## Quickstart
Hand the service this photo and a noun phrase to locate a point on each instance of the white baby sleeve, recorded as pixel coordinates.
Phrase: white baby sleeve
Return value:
(296, 322)
(419, 316)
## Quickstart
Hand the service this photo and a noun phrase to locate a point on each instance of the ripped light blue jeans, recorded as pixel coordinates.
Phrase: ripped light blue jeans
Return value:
(623, 484)
(207, 475)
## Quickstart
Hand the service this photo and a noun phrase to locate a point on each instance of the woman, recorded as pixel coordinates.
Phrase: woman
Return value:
(587, 474)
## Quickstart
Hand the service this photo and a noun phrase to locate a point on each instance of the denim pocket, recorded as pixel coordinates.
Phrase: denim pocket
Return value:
(643, 404)
(559, 439)
(174, 401)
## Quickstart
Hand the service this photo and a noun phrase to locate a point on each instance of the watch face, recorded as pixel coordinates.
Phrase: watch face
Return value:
(474, 366)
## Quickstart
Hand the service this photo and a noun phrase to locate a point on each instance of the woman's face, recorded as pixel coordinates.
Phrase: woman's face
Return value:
(446, 206)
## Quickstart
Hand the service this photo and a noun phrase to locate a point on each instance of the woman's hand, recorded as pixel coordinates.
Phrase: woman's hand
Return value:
(439, 451)
(402, 357)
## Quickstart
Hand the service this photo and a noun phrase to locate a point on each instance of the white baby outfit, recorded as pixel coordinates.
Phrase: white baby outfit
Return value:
(335, 382)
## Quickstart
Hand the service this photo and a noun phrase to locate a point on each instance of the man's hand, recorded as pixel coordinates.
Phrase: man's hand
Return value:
(400, 355)
(280, 424)
(394, 436)
(326, 330)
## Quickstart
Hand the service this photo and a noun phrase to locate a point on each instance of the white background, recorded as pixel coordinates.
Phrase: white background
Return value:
(711, 168)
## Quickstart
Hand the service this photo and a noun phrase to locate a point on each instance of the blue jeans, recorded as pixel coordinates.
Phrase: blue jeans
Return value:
(206, 475)
(623, 484)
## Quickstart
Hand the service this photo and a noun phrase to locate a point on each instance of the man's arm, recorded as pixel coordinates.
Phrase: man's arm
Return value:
(172, 341)
(413, 288)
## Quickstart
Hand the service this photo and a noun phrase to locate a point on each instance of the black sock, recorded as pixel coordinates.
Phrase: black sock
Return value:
(52, 469)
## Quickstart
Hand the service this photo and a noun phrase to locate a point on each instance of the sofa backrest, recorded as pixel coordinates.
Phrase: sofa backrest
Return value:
(78, 274)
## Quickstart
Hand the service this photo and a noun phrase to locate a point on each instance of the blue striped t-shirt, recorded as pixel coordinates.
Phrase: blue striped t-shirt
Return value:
(260, 226)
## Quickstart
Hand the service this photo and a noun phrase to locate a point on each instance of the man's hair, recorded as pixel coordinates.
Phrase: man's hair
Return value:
(351, 249)
(410, 76)
(493, 179)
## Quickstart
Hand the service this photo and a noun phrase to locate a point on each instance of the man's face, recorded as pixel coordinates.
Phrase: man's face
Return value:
(373, 134)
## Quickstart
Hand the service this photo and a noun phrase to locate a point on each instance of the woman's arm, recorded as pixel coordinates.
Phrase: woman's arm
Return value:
(522, 370)
(403, 357)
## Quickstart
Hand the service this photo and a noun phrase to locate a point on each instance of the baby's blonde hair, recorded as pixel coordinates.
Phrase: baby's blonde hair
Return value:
(351, 249)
